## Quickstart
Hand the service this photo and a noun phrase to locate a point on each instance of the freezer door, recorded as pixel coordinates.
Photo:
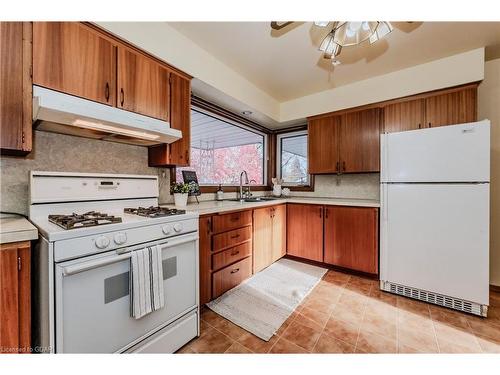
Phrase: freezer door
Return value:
(457, 153)
(435, 237)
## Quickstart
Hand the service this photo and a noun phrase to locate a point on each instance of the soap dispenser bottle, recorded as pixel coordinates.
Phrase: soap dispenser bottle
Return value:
(220, 193)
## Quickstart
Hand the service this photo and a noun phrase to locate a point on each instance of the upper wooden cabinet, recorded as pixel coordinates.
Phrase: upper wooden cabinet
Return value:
(305, 231)
(15, 88)
(455, 107)
(15, 297)
(180, 107)
(142, 85)
(403, 116)
(348, 143)
(73, 58)
(323, 150)
(360, 141)
(177, 153)
(351, 238)
(269, 236)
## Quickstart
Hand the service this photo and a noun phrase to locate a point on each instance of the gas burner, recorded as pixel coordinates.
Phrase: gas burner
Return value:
(154, 211)
(88, 219)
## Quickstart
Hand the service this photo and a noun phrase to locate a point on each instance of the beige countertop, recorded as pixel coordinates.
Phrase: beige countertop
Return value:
(211, 207)
(15, 228)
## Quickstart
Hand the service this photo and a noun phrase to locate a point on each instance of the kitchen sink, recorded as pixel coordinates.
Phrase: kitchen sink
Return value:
(252, 200)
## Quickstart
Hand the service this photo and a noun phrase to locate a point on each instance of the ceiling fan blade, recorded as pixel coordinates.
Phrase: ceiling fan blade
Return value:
(280, 25)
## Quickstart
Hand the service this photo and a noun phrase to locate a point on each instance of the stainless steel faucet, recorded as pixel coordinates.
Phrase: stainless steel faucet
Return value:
(241, 195)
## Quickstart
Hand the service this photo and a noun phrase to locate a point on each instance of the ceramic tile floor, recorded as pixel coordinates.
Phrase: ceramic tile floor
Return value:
(349, 314)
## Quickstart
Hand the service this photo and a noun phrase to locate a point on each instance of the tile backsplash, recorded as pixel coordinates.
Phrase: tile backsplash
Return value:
(57, 152)
(64, 153)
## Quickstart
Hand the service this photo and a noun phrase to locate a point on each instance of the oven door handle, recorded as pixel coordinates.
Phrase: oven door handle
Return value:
(81, 267)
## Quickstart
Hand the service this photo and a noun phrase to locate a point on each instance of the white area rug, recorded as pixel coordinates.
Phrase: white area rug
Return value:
(262, 303)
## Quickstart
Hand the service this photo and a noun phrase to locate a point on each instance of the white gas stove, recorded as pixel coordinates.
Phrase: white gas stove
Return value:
(90, 224)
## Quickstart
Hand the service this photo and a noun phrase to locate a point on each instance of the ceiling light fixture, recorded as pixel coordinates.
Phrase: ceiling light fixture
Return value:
(351, 33)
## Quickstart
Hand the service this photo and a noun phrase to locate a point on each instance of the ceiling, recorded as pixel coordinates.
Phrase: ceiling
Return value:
(288, 65)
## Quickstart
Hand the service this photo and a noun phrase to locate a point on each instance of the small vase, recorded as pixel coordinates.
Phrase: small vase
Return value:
(180, 199)
(277, 190)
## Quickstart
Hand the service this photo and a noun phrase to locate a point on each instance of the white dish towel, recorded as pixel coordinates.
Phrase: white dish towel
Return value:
(146, 282)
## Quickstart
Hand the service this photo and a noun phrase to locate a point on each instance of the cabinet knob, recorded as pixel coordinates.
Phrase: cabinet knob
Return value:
(122, 96)
(235, 270)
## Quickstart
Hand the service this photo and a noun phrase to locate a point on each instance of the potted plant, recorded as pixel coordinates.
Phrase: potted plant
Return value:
(180, 191)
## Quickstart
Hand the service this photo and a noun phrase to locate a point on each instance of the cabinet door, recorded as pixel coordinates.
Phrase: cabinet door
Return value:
(304, 228)
(351, 238)
(322, 147)
(452, 108)
(180, 107)
(74, 59)
(399, 117)
(205, 232)
(279, 232)
(15, 297)
(142, 85)
(15, 88)
(262, 238)
(360, 141)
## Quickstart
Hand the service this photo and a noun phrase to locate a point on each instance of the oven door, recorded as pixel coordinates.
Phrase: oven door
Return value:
(93, 304)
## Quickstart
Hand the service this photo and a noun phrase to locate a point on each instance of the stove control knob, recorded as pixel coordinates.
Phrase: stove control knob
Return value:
(177, 227)
(167, 229)
(102, 242)
(120, 238)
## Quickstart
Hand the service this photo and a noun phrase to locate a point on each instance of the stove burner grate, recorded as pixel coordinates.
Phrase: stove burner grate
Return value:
(154, 211)
(88, 219)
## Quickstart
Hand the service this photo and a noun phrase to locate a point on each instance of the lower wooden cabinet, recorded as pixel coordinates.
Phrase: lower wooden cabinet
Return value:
(231, 276)
(351, 238)
(305, 231)
(15, 300)
(269, 236)
(225, 252)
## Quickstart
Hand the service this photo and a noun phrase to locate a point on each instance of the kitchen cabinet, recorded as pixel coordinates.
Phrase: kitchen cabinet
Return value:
(231, 276)
(143, 84)
(73, 58)
(351, 238)
(451, 108)
(403, 116)
(304, 225)
(349, 143)
(15, 88)
(205, 254)
(225, 252)
(15, 300)
(269, 236)
(179, 152)
(323, 141)
(360, 141)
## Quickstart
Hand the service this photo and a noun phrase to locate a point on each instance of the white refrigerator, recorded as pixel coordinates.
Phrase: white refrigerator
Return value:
(434, 230)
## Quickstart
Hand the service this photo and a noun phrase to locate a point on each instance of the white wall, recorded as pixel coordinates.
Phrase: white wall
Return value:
(489, 107)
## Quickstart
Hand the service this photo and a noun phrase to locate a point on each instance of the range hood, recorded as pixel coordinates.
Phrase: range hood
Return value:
(56, 112)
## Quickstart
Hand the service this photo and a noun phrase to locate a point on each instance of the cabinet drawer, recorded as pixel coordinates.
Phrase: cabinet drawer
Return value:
(226, 257)
(231, 276)
(222, 223)
(229, 239)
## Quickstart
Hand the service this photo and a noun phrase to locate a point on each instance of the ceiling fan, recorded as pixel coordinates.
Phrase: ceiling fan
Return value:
(344, 34)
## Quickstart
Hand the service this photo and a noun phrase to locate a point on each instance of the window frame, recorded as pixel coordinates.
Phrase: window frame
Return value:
(208, 188)
(310, 179)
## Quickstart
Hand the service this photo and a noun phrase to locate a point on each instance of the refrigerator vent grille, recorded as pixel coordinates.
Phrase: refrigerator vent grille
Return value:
(435, 298)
